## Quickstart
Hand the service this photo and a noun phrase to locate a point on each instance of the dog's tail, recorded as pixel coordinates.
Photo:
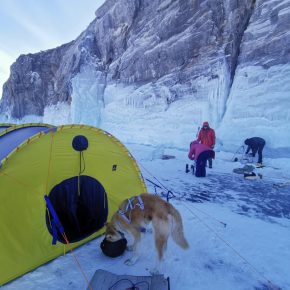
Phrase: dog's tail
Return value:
(177, 229)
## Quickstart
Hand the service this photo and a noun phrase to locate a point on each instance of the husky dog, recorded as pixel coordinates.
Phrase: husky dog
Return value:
(137, 212)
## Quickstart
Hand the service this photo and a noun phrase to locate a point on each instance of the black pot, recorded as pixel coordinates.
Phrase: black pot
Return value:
(113, 249)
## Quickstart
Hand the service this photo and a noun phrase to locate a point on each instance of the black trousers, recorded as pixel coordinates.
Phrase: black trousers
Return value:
(201, 163)
(259, 149)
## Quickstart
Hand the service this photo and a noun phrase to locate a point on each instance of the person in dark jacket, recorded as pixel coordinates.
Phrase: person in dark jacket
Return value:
(256, 144)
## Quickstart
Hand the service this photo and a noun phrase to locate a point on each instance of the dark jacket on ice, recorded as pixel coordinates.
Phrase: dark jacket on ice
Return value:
(256, 144)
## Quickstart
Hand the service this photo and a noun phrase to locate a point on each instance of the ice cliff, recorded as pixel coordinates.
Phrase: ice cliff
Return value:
(146, 65)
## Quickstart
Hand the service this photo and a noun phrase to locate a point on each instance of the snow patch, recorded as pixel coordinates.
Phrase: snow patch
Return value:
(58, 114)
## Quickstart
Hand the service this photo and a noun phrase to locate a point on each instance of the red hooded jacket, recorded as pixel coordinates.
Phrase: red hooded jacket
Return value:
(206, 136)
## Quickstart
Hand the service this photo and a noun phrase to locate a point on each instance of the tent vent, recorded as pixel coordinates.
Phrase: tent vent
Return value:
(80, 143)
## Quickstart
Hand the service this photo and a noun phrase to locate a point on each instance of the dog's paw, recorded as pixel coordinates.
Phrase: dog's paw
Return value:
(130, 248)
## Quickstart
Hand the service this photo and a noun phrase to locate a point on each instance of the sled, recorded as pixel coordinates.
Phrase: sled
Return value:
(104, 280)
(245, 169)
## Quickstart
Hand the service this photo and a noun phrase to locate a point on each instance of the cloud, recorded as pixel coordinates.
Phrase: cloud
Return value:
(35, 31)
(30, 26)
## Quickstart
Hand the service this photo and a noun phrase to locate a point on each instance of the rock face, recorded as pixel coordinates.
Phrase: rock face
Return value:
(134, 42)
(39, 80)
(154, 56)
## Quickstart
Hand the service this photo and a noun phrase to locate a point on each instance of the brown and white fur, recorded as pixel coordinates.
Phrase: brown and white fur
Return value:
(166, 220)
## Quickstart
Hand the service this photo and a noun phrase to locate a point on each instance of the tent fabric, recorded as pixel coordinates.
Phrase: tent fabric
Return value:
(4, 126)
(36, 168)
(14, 136)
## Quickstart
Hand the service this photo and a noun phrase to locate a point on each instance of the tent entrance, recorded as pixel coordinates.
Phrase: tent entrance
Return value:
(82, 207)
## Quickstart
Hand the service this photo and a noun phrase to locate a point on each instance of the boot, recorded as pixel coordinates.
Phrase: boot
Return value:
(259, 165)
(192, 169)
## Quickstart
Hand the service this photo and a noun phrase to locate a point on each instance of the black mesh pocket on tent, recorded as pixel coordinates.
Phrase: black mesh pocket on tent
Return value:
(82, 209)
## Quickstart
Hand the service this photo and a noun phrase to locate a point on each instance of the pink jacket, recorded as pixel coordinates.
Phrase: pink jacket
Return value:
(197, 148)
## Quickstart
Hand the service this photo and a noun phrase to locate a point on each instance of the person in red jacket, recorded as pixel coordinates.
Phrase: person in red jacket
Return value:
(200, 153)
(206, 136)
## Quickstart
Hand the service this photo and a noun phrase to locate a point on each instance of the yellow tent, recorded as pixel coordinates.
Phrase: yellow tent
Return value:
(85, 172)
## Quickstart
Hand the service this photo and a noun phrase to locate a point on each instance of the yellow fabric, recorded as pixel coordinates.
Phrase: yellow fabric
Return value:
(33, 170)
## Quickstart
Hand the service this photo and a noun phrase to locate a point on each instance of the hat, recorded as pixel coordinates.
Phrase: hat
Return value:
(113, 249)
(205, 124)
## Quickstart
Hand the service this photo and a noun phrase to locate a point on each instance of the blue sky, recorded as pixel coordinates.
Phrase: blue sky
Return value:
(28, 26)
